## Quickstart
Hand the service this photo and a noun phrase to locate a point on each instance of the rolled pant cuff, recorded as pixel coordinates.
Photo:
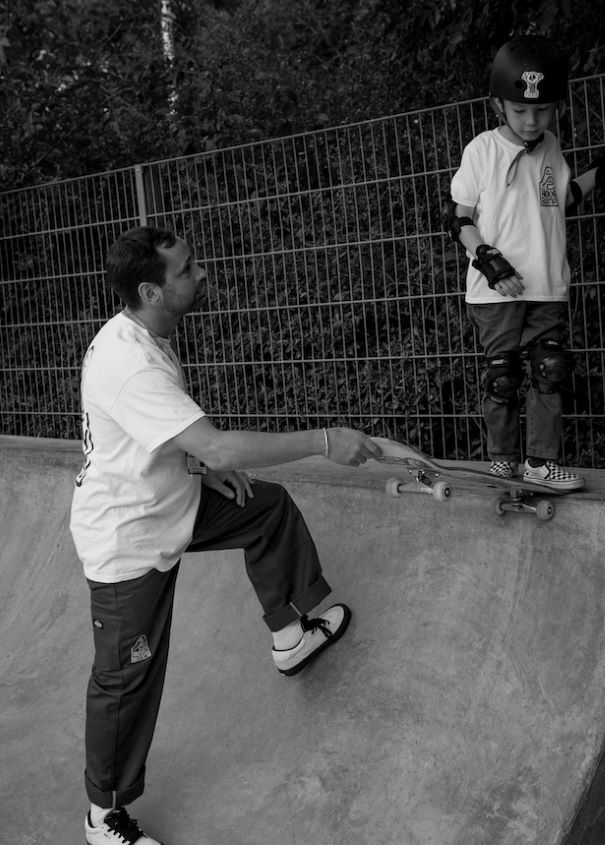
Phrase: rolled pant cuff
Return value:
(116, 798)
(299, 605)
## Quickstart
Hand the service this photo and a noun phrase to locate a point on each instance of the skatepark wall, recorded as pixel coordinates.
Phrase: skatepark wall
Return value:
(464, 706)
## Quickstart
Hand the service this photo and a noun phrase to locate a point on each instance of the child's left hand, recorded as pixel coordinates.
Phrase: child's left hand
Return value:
(511, 286)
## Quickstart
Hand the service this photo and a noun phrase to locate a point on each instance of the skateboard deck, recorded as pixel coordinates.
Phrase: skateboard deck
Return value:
(431, 476)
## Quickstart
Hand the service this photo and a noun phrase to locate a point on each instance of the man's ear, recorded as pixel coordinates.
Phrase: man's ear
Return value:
(148, 293)
(562, 108)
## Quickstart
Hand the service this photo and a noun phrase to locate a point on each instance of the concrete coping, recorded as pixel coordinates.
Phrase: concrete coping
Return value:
(316, 470)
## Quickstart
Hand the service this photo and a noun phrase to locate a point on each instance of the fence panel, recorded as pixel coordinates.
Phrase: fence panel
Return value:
(334, 295)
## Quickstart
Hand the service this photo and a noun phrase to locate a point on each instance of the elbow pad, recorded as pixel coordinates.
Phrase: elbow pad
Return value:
(598, 163)
(457, 225)
(577, 197)
(453, 223)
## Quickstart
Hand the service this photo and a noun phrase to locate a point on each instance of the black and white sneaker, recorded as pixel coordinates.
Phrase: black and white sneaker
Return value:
(504, 469)
(318, 634)
(117, 828)
(550, 474)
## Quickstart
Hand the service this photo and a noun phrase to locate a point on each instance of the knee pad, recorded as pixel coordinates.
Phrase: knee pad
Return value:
(550, 365)
(503, 377)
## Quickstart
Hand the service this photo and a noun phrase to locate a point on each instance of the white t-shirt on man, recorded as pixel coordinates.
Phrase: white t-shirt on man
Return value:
(134, 503)
(524, 220)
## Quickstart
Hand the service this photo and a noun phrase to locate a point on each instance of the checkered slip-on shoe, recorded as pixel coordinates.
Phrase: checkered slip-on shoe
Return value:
(504, 469)
(318, 634)
(553, 476)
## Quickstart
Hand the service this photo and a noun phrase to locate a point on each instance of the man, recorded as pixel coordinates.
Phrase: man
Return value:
(137, 507)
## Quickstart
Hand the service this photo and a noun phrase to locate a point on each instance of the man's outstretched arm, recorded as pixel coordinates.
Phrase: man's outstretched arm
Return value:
(227, 450)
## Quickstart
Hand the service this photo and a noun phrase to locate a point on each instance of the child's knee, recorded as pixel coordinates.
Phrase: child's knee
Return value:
(503, 377)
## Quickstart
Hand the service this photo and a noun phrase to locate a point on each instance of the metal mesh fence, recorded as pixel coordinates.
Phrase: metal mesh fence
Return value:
(334, 295)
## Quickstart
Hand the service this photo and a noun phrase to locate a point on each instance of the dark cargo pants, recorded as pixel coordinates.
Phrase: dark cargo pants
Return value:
(131, 625)
(508, 327)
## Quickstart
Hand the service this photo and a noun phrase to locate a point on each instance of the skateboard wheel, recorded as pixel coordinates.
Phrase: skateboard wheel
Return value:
(545, 510)
(441, 491)
(394, 487)
(500, 509)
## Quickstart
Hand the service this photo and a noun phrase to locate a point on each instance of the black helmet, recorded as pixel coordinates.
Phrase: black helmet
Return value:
(529, 69)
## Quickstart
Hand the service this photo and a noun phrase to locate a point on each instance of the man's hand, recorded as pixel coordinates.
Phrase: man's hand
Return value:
(233, 484)
(349, 447)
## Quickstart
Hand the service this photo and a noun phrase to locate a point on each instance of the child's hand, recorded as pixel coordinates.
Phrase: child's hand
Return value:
(511, 286)
(500, 274)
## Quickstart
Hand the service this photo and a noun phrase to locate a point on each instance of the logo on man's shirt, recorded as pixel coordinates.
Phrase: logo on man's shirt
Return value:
(547, 187)
(87, 448)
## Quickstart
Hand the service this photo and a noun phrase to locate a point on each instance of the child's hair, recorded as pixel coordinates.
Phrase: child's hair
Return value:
(529, 69)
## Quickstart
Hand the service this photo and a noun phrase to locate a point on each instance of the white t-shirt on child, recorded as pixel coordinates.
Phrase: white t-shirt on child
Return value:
(524, 220)
(134, 503)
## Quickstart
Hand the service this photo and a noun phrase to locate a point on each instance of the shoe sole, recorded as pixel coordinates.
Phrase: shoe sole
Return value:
(87, 842)
(562, 487)
(294, 670)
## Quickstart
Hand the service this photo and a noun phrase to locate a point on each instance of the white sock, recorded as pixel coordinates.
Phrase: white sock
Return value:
(287, 637)
(97, 814)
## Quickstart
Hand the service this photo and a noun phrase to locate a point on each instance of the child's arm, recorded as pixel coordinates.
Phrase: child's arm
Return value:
(582, 185)
(501, 276)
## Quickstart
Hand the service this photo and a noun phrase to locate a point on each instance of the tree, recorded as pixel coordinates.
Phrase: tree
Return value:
(85, 87)
(89, 85)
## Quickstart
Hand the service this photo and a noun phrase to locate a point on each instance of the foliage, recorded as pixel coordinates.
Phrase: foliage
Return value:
(358, 315)
(86, 87)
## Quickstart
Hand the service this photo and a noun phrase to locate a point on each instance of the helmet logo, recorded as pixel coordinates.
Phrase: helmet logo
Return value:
(531, 79)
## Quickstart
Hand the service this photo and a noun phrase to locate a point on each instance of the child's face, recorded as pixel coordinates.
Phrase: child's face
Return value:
(527, 121)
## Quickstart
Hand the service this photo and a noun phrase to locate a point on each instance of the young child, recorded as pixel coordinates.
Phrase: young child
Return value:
(509, 200)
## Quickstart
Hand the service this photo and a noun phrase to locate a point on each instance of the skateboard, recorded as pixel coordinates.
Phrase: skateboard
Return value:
(431, 476)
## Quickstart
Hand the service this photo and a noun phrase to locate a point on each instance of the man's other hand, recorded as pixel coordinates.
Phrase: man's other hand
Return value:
(233, 484)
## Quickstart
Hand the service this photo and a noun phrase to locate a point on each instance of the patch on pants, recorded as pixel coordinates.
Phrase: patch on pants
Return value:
(140, 650)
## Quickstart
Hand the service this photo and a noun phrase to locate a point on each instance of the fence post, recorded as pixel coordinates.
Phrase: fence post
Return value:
(150, 199)
(141, 204)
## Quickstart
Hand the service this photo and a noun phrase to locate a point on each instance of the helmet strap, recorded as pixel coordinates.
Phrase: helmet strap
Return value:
(531, 145)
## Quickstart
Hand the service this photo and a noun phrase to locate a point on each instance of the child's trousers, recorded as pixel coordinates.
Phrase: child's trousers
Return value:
(131, 625)
(512, 326)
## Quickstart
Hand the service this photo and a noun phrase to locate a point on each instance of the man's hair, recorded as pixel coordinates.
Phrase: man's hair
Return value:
(134, 258)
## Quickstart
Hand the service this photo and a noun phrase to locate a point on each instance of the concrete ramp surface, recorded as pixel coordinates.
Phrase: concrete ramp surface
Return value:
(464, 706)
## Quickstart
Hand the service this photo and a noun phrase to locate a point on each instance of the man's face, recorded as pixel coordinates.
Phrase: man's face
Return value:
(183, 276)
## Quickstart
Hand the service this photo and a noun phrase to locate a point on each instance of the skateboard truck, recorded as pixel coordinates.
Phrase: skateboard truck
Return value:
(439, 490)
(519, 502)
